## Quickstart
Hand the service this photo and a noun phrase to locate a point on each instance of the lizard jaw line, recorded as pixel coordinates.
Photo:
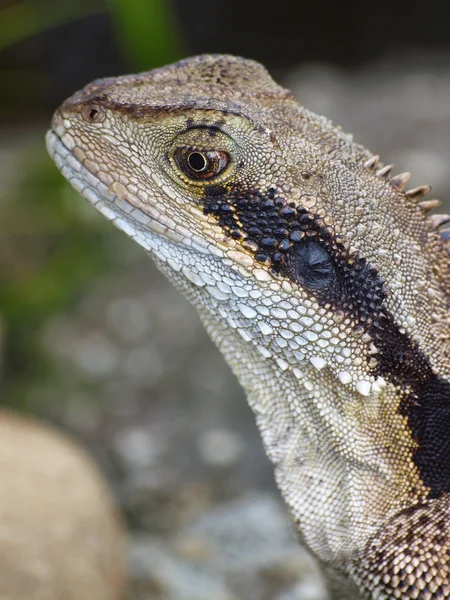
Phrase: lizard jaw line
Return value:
(148, 232)
(153, 236)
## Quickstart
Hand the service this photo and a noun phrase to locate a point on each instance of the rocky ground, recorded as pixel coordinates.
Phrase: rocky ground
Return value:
(137, 380)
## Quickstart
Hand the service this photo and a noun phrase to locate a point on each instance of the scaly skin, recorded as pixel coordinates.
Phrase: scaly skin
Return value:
(324, 284)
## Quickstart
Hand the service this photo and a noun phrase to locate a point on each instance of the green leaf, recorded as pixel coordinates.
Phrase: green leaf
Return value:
(148, 32)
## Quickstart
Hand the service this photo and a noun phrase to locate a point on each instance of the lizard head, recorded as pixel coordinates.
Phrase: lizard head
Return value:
(269, 218)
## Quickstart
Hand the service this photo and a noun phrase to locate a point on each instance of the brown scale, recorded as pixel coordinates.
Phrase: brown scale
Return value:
(404, 541)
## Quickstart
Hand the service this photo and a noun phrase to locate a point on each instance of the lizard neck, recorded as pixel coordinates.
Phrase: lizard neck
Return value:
(336, 468)
(334, 451)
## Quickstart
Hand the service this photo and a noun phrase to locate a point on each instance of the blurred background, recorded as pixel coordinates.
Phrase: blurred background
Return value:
(94, 340)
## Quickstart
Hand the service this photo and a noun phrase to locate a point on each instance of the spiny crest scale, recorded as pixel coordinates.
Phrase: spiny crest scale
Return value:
(385, 172)
(399, 182)
(418, 193)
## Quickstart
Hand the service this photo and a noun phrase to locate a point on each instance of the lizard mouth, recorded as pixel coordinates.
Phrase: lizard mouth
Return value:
(113, 202)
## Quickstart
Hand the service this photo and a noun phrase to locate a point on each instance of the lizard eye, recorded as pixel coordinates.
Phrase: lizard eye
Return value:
(311, 263)
(199, 165)
(93, 111)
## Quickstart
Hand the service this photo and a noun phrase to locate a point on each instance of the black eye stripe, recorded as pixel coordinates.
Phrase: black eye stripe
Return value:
(297, 244)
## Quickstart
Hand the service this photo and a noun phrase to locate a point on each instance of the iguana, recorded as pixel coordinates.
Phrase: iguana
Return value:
(322, 281)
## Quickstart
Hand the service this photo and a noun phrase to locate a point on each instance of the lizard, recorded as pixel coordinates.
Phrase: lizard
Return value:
(321, 278)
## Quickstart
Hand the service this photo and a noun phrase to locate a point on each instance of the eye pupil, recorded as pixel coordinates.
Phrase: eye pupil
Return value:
(197, 161)
(201, 165)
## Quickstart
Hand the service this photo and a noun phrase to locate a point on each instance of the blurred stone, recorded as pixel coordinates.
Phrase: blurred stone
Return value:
(95, 354)
(251, 543)
(307, 590)
(137, 448)
(220, 447)
(193, 550)
(60, 535)
(242, 549)
(249, 534)
(91, 351)
(175, 578)
(81, 412)
(143, 363)
(128, 319)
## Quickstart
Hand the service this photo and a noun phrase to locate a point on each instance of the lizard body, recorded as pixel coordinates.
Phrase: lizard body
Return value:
(322, 281)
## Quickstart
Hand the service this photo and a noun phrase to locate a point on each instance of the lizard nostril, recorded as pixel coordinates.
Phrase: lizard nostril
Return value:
(93, 113)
